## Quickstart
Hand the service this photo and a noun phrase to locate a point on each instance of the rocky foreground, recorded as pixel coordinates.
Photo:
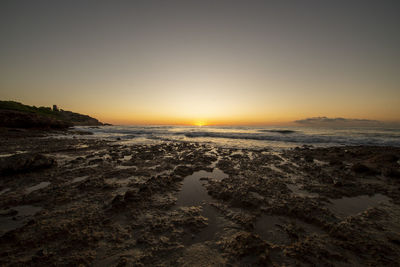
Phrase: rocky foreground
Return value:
(71, 201)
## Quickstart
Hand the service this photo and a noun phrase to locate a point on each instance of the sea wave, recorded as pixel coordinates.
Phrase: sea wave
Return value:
(300, 138)
(278, 131)
(250, 135)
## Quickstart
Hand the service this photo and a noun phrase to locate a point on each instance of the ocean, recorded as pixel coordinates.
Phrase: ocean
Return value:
(250, 137)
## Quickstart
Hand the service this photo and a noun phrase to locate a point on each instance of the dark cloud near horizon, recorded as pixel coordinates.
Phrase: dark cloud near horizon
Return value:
(336, 121)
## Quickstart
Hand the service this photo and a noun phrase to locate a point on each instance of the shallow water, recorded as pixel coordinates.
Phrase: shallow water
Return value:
(37, 187)
(193, 193)
(12, 222)
(348, 206)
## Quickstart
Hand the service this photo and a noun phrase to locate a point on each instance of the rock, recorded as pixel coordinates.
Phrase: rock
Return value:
(95, 161)
(183, 171)
(392, 172)
(8, 212)
(27, 162)
(308, 158)
(131, 195)
(244, 244)
(17, 119)
(118, 201)
(362, 168)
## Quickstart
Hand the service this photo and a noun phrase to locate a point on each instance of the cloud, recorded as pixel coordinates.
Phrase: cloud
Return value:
(337, 121)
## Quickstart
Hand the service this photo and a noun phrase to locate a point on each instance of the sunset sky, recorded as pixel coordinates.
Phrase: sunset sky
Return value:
(210, 62)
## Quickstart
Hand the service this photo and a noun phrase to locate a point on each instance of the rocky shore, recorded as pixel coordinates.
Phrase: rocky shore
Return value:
(17, 115)
(67, 200)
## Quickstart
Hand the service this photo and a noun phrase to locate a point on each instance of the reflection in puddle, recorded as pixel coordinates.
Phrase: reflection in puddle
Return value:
(348, 206)
(37, 187)
(193, 193)
(17, 217)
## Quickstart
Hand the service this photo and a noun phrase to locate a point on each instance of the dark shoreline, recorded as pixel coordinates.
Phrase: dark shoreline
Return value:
(97, 202)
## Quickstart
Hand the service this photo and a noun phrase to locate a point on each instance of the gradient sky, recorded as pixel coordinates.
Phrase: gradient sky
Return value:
(216, 62)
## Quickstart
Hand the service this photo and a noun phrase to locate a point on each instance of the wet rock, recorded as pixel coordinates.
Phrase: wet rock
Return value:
(393, 172)
(118, 201)
(245, 244)
(95, 161)
(18, 119)
(183, 171)
(362, 168)
(21, 163)
(309, 159)
(8, 212)
(132, 195)
(394, 238)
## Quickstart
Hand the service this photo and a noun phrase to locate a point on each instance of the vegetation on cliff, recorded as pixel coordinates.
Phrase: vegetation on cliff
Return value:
(15, 114)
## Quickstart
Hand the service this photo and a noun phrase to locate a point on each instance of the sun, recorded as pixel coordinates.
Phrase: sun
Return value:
(199, 123)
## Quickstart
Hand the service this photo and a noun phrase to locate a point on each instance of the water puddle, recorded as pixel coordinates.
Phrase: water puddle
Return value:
(16, 217)
(37, 187)
(348, 206)
(193, 193)
(79, 179)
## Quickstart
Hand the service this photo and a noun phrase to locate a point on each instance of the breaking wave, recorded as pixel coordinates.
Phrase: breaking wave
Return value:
(267, 136)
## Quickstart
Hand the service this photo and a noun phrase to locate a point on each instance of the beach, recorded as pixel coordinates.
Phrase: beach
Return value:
(78, 197)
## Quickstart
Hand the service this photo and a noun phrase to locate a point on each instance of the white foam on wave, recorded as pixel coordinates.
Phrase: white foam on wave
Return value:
(248, 136)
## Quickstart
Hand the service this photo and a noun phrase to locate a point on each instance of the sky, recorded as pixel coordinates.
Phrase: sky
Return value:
(204, 62)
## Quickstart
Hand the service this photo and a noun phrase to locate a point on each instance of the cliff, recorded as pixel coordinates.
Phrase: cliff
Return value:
(17, 115)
